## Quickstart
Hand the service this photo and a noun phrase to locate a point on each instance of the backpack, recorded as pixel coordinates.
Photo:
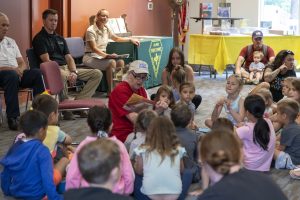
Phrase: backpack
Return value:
(249, 51)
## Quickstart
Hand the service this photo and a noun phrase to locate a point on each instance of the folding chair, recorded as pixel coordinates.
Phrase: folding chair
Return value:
(29, 92)
(54, 83)
(76, 48)
(33, 60)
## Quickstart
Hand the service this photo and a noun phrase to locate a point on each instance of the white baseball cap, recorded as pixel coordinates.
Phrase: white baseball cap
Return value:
(139, 67)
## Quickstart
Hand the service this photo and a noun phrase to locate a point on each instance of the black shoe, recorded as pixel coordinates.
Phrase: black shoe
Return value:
(12, 124)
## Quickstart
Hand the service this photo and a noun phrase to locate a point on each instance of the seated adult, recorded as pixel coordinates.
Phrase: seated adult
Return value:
(48, 45)
(246, 55)
(282, 67)
(97, 36)
(14, 74)
(220, 153)
(176, 57)
(123, 120)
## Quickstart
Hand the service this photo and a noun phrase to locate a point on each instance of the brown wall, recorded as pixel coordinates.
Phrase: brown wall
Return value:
(18, 14)
(139, 20)
(38, 6)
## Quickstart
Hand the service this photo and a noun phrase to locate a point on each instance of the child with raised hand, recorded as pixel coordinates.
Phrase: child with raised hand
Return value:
(258, 136)
(138, 137)
(233, 103)
(28, 166)
(165, 94)
(287, 154)
(99, 164)
(100, 123)
(161, 154)
(256, 67)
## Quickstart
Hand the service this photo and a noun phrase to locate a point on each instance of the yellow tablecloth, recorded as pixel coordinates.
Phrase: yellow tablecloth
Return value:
(220, 51)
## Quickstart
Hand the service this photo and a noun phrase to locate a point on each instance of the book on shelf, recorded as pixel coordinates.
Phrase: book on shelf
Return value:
(137, 103)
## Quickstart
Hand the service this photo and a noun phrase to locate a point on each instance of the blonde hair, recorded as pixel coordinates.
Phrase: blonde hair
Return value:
(258, 53)
(266, 95)
(238, 79)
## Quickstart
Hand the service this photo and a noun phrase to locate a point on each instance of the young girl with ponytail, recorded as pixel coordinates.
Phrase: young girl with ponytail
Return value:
(100, 123)
(258, 136)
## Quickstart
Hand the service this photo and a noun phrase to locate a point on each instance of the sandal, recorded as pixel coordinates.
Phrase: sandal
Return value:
(295, 173)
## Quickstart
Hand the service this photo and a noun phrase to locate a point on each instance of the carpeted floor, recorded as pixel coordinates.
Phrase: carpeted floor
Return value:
(209, 89)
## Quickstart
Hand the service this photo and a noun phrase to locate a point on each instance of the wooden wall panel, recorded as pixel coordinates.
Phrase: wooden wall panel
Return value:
(18, 14)
(140, 21)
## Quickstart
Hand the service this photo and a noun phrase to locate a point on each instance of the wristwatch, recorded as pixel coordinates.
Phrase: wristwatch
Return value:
(75, 72)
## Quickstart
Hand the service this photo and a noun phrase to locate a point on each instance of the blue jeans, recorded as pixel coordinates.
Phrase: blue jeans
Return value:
(186, 178)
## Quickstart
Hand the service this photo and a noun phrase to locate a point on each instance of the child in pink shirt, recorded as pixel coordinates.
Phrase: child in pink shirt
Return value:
(258, 136)
(100, 122)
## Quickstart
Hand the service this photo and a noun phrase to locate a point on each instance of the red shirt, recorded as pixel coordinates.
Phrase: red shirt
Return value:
(249, 59)
(122, 126)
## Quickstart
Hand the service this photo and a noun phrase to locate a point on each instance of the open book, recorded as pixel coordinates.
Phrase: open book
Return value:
(137, 103)
(94, 55)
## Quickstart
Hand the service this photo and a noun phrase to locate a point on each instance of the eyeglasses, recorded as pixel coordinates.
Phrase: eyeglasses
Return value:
(258, 39)
(140, 77)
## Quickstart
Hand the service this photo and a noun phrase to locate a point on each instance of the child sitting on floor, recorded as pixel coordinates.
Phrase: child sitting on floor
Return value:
(160, 155)
(287, 155)
(100, 122)
(258, 136)
(99, 164)
(233, 103)
(187, 93)
(138, 137)
(55, 136)
(181, 117)
(165, 94)
(268, 99)
(28, 167)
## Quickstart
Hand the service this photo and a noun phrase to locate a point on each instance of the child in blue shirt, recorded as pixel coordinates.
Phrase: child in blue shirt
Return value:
(28, 168)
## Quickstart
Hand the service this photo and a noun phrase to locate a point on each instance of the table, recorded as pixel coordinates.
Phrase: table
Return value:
(220, 51)
(153, 50)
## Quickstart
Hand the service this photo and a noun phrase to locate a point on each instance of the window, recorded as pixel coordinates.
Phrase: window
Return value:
(280, 15)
